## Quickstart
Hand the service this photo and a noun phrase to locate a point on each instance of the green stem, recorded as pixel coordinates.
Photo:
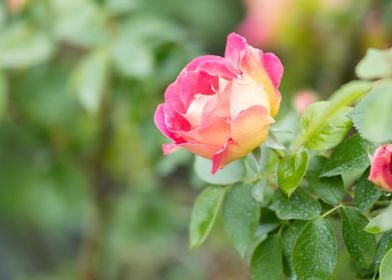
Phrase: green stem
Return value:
(279, 153)
(101, 189)
(281, 228)
(331, 210)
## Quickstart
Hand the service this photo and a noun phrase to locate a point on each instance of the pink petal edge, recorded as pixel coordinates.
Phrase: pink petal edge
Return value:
(218, 159)
(273, 67)
(159, 120)
(169, 148)
(235, 46)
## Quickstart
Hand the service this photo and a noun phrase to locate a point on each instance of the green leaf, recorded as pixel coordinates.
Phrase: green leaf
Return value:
(350, 155)
(266, 261)
(117, 7)
(289, 238)
(232, 173)
(43, 96)
(350, 178)
(365, 193)
(329, 132)
(258, 191)
(240, 216)
(291, 170)
(382, 222)
(350, 93)
(204, 214)
(330, 189)
(131, 57)
(273, 143)
(315, 251)
(153, 30)
(3, 94)
(386, 266)
(360, 244)
(325, 124)
(376, 64)
(372, 116)
(384, 245)
(299, 206)
(90, 78)
(79, 22)
(21, 46)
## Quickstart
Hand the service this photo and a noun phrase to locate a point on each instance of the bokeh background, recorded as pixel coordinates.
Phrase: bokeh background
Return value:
(85, 192)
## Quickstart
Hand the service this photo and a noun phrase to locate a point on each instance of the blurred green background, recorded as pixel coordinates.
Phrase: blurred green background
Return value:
(85, 191)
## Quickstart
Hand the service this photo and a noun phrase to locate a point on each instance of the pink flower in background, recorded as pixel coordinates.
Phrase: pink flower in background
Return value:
(381, 168)
(303, 99)
(15, 5)
(266, 21)
(220, 107)
(263, 19)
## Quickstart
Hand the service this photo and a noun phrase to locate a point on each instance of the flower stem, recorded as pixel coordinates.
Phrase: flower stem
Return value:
(279, 153)
(331, 210)
(101, 188)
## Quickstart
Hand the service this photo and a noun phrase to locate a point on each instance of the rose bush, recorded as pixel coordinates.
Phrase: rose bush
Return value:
(381, 168)
(280, 207)
(221, 107)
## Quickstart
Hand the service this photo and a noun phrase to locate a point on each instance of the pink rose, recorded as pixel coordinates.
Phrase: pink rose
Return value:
(303, 99)
(220, 107)
(381, 168)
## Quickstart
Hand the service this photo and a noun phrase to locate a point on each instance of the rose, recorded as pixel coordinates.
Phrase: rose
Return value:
(381, 168)
(220, 107)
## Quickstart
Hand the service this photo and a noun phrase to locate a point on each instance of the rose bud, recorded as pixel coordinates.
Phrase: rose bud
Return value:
(381, 168)
(221, 107)
(303, 99)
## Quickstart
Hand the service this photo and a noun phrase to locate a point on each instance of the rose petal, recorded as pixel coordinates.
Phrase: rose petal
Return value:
(174, 121)
(203, 79)
(246, 93)
(214, 133)
(170, 148)
(235, 47)
(214, 125)
(273, 67)
(172, 98)
(193, 83)
(250, 129)
(251, 64)
(202, 150)
(218, 106)
(381, 167)
(196, 108)
(191, 66)
(159, 120)
(221, 68)
(219, 158)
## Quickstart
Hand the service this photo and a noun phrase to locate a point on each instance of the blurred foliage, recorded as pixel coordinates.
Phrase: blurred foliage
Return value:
(85, 193)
